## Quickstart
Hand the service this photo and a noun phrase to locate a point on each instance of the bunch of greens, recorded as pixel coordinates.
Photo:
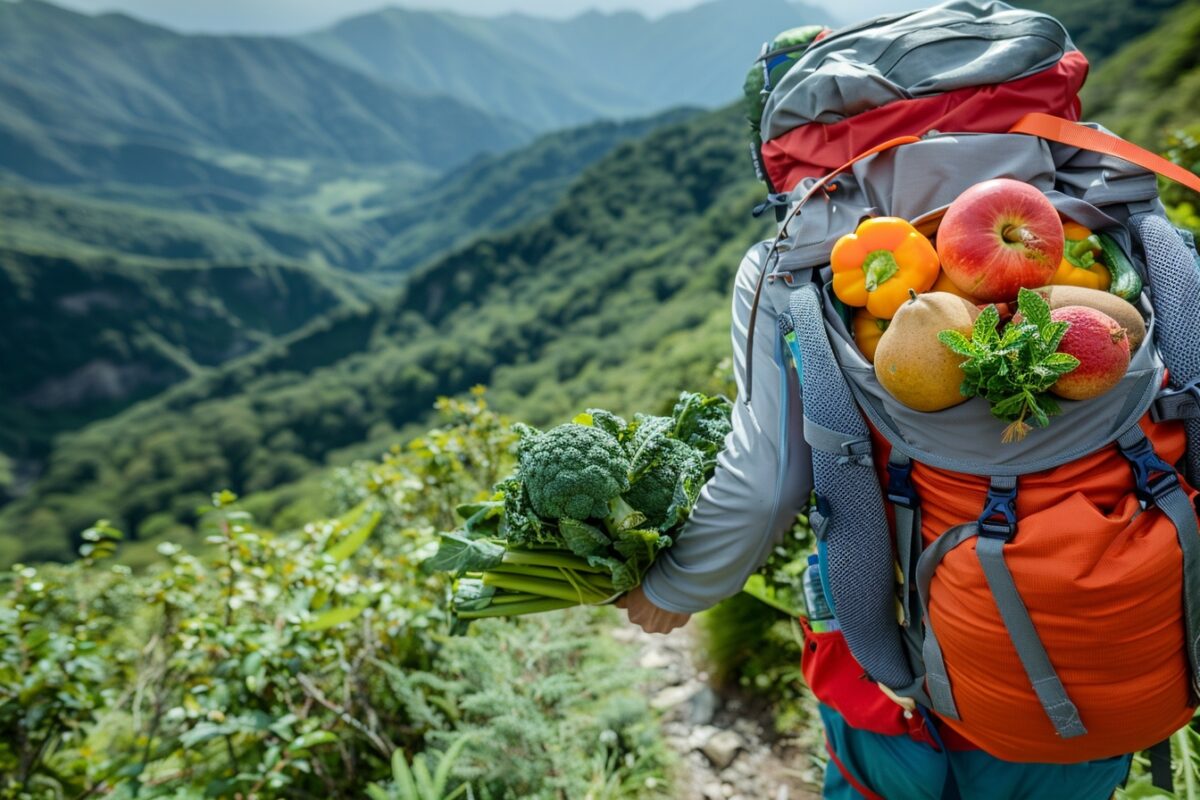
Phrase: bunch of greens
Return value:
(1014, 370)
(591, 504)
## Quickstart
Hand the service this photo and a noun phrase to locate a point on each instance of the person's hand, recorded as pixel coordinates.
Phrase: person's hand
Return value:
(650, 617)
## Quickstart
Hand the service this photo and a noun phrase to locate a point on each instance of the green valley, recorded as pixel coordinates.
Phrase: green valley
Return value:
(633, 263)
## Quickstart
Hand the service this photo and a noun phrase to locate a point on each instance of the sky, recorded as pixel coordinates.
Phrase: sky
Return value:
(294, 16)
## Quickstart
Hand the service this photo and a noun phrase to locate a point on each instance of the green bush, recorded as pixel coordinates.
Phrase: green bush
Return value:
(310, 664)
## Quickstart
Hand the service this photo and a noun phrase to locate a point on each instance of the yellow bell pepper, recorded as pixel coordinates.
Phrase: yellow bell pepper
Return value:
(1079, 266)
(868, 330)
(880, 263)
(944, 284)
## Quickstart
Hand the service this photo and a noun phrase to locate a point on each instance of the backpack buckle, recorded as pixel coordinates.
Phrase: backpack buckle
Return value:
(1181, 403)
(900, 489)
(774, 200)
(999, 517)
(1153, 477)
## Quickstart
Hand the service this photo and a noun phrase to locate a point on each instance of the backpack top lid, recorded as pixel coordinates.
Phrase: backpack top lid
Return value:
(962, 66)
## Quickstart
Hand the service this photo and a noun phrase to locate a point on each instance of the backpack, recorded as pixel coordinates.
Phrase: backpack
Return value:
(1049, 588)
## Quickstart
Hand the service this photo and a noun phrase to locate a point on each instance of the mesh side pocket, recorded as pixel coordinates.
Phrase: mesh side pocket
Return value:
(1174, 279)
(857, 541)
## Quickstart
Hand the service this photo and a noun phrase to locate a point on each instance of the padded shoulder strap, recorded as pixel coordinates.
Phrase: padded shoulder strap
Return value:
(855, 541)
(1057, 129)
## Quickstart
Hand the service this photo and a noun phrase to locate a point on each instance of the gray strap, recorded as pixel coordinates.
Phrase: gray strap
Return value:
(1042, 677)
(860, 569)
(938, 682)
(908, 549)
(1182, 404)
(1178, 508)
(856, 448)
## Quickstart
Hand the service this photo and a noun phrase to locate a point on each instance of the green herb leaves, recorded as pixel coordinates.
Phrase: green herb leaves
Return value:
(1014, 369)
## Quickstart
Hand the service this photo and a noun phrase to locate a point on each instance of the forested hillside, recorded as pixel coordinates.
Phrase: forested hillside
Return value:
(86, 337)
(1151, 87)
(353, 218)
(1100, 28)
(618, 294)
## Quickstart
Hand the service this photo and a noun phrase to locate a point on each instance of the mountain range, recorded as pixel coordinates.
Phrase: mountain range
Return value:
(551, 73)
(112, 98)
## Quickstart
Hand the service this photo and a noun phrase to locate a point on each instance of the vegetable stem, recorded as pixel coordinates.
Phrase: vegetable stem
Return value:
(549, 558)
(558, 589)
(560, 574)
(517, 609)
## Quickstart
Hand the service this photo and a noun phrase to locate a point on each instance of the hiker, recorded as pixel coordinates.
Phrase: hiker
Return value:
(1060, 572)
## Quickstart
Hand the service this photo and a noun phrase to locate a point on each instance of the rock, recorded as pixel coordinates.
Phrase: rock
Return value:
(701, 735)
(625, 633)
(674, 696)
(712, 791)
(722, 748)
(656, 659)
(702, 706)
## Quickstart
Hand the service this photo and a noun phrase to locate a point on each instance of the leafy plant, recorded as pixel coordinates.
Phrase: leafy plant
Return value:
(1014, 370)
(416, 782)
(1185, 763)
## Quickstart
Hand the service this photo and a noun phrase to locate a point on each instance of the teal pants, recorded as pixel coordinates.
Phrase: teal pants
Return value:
(899, 768)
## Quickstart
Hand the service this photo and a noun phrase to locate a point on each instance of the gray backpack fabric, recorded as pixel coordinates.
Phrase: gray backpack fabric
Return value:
(933, 51)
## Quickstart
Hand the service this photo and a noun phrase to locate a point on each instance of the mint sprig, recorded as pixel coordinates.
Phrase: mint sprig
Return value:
(1014, 369)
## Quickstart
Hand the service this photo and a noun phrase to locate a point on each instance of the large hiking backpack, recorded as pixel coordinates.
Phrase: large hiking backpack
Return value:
(1049, 588)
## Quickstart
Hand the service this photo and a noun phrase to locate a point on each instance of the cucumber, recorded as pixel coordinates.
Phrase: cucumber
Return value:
(1126, 283)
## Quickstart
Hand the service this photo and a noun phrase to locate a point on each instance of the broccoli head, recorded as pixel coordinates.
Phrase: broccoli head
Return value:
(653, 488)
(572, 471)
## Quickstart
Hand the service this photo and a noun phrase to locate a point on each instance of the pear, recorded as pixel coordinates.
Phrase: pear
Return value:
(910, 362)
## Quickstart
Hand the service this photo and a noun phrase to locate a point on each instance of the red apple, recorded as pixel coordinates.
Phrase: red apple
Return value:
(998, 236)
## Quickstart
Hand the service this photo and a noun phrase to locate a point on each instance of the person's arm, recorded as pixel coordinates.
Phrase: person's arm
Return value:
(762, 479)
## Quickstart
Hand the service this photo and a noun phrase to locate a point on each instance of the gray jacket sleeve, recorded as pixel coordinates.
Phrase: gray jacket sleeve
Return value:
(762, 478)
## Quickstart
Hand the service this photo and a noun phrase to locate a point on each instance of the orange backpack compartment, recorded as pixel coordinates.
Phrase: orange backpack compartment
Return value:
(1092, 566)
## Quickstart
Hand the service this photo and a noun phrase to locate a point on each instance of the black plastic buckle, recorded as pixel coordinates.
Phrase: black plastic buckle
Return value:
(999, 517)
(1153, 477)
(1167, 407)
(900, 489)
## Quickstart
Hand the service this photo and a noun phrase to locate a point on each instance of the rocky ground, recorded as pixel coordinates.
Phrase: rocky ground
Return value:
(726, 745)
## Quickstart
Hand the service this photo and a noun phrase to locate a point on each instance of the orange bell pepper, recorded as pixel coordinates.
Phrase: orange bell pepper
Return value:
(868, 330)
(878, 264)
(944, 284)
(1079, 266)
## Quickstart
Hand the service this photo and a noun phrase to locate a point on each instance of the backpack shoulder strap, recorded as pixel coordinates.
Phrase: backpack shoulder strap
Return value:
(854, 538)
(1057, 129)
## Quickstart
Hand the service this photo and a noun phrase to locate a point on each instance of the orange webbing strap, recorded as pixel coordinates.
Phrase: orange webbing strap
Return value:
(1056, 129)
(824, 182)
(773, 255)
